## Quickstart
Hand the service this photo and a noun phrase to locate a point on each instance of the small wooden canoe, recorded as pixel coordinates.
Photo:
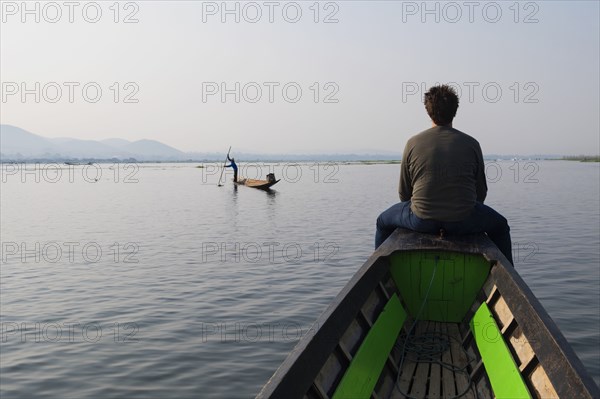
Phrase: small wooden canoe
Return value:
(432, 317)
(254, 183)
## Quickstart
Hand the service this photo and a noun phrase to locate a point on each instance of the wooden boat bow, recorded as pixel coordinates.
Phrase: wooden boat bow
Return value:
(543, 363)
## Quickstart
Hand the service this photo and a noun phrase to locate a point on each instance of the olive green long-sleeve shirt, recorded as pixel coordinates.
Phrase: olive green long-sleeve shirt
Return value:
(443, 174)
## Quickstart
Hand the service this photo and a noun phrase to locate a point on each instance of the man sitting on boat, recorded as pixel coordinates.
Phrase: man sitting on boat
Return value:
(442, 181)
(234, 166)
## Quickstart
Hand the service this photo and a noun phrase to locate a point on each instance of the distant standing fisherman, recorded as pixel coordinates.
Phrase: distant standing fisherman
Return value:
(234, 166)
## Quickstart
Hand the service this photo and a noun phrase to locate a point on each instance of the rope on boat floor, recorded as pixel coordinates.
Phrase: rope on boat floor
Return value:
(428, 348)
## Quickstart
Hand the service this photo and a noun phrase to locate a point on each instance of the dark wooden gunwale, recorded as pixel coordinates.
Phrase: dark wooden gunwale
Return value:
(564, 369)
(298, 371)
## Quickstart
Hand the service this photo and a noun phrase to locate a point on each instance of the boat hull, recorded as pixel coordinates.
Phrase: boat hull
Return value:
(254, 183)
(417, 286)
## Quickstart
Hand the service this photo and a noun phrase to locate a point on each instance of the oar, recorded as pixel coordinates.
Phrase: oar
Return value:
(219, 184)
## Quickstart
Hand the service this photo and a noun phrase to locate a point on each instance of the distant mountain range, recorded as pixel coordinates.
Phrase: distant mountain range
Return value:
(18, 145)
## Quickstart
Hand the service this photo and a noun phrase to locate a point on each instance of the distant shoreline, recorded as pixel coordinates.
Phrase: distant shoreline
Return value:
(90, 161)
(582, 158)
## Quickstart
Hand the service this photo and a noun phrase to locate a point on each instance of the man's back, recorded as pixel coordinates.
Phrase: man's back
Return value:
(442, 181)
(442, 173)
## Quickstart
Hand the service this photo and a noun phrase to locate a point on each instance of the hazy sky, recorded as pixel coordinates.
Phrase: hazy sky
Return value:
(528, 73)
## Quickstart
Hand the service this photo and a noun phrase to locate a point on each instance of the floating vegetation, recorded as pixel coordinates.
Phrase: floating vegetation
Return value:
(582, 158)
(377, 162)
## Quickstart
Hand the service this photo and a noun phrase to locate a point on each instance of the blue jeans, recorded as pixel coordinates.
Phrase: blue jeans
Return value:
(483, 219)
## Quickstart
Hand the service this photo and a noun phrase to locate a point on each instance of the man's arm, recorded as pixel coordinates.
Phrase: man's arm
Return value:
(480, 185)
(406, 187)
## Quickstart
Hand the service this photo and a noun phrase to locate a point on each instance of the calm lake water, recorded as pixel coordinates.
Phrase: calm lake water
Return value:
(149, 281)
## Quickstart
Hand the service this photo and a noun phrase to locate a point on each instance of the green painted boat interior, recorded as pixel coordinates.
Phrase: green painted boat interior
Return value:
(363, 373)
(434, 286)
(499, 364)
(449, 281)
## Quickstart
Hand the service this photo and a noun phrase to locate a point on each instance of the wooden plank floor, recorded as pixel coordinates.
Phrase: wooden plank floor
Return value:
(434, 365)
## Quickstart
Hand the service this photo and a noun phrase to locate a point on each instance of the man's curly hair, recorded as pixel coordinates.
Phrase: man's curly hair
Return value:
(441, 103)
